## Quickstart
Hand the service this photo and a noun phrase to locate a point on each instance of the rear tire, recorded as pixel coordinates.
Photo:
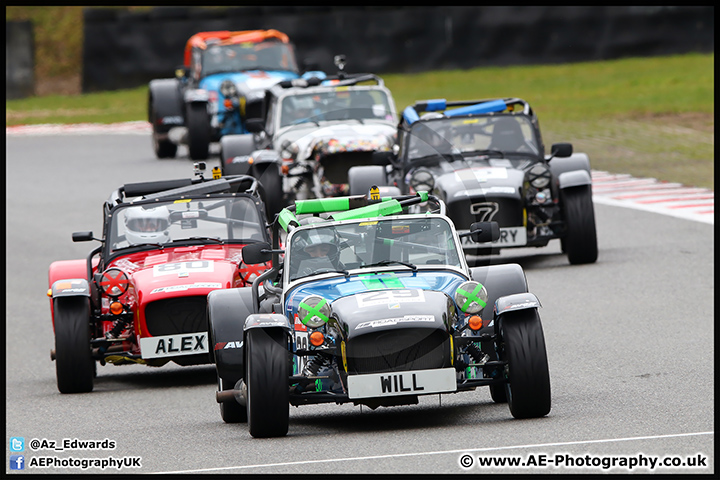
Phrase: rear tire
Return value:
(74, 365)
(198, 125)
(231, 412)
(268, 403)
(580, 240)
(528, 387)
(163, 148)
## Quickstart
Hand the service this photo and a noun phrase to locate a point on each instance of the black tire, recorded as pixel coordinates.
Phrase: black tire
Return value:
(231, 412)
(497, 393)
(268, 402)
(580, 240)
(74, 365)
(163, 148)
(271, 188)
(528, 387)
(198, 125)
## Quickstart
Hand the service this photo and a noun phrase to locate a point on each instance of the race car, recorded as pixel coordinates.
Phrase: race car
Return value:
(370, 305)
(140, 297)
(310, 133)
(223, 77)
(486, 160)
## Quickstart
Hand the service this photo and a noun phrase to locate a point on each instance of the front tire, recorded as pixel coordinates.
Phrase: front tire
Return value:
(268, 402)
(198, 125)
(580, 240)
(528, 387)
(74, 365)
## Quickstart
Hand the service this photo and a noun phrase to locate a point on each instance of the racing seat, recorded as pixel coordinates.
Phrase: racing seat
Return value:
(507, 135)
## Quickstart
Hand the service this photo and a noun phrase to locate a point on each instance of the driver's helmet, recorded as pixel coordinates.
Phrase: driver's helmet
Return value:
(318, 243)
(147, 225)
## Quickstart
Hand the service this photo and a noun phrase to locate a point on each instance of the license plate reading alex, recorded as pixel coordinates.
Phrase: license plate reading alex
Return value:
(174, 345)
(417, 382)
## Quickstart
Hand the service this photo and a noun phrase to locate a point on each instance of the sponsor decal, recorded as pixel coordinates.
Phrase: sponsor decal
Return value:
(174, 345)
(385, 297)
(299, 326)
(195, 266)
(179, 288)
(172, 120)
(394, 321)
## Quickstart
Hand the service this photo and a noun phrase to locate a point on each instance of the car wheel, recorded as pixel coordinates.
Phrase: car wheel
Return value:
(74, 365)
(497, 393)
(271, 190)
(268, 402)
(528, 387)
(163, 148)
(580, 240)
(231, 412)
(198, 124)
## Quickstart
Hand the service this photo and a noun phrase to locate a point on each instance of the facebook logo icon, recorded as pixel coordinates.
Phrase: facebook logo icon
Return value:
(17, 444)
(17, 462)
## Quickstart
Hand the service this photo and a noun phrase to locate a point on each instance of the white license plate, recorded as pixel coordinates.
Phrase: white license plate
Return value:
(416, 382)
(174, 345)
(509, 237)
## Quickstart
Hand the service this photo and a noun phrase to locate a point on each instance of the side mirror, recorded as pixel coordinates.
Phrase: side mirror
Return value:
(561, 150)
(256, 253)
(482, 232)
(82, 236)
(255, 125)
(382, 158)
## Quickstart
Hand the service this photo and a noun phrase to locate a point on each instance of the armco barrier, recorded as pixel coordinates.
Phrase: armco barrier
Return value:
(124, 50)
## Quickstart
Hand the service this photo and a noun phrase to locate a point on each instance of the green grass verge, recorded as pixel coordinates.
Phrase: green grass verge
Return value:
(651, 117)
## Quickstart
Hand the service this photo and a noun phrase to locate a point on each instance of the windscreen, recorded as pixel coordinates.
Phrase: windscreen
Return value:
(416, 241)
(342, 103)
(271, 55)
(227, 219)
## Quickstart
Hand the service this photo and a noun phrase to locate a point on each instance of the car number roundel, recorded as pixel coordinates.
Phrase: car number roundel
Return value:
(196, 266)
(387, 297)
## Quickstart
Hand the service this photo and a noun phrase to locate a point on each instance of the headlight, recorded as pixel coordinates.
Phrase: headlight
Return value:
(314, 311)
(228, 89)
(289, 150)
(422, 180)
(539, 176)
(471, 297)
(114, 282)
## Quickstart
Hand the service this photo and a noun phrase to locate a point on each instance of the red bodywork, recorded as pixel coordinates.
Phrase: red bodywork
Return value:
(162, 274)
(227, 37)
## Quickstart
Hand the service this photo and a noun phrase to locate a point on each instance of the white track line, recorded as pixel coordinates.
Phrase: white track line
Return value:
(445, 452)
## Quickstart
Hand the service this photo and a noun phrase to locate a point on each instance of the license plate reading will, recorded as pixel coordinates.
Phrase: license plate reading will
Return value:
(416, 382)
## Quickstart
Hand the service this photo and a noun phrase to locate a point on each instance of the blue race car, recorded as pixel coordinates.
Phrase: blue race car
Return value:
(223, 77)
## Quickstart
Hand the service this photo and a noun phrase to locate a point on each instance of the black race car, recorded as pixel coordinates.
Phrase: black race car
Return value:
(373, 306)
(486, 160)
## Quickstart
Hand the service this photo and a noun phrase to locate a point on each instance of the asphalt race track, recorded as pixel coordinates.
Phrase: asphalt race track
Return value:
(630, 346)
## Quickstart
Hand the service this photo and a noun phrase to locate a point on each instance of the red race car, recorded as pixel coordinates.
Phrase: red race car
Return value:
(140, 297)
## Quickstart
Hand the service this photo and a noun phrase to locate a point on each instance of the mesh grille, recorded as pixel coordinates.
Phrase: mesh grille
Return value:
(398, 350)
(176, 315)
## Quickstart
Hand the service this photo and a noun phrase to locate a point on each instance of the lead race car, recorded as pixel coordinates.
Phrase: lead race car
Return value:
(140, 297)
(371, 305)
(222, 80)
(486, 160)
